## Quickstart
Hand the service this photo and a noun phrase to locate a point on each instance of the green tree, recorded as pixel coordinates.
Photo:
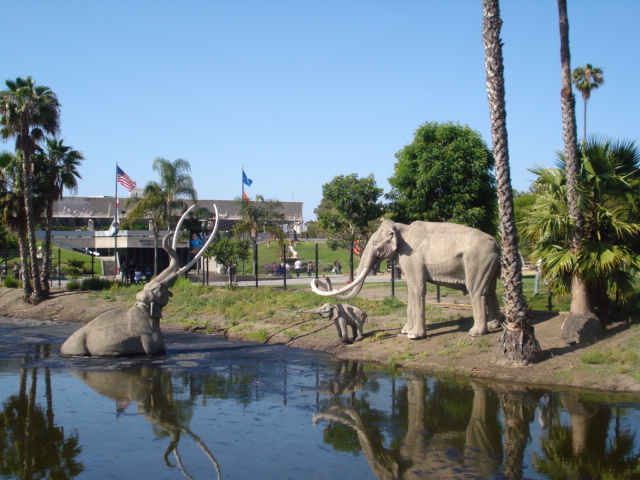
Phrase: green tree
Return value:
(175, 183)
(12, 207)
(518, 345)
(446, 174)
(585, 79)
(350, 209)
(59, 170)
(261, 214)
(7, 240)
(28, 112)
(609, 186)
(229, 252)
(522, 205)
(580, 307)
(349, 205)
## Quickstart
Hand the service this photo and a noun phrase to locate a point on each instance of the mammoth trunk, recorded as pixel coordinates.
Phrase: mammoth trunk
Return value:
(351, 290)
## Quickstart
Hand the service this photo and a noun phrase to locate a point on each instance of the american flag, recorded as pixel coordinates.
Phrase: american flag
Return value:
(124, 179)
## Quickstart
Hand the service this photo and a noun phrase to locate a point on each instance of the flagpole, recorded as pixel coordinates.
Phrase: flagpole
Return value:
(115, 236)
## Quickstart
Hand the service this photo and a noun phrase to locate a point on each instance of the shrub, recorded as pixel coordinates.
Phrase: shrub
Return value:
(75, 268)
(96, 283)
(333, 244)
(11, 282)
(74, 285)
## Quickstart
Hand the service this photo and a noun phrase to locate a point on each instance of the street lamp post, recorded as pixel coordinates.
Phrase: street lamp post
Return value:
(201, 261)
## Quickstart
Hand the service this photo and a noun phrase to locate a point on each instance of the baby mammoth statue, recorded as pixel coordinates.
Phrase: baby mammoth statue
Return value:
(342, 315)
(135, 331)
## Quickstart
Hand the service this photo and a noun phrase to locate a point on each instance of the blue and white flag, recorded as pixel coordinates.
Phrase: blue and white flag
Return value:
(246, 180)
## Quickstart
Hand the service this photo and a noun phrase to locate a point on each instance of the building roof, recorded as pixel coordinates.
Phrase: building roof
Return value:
(104, 208)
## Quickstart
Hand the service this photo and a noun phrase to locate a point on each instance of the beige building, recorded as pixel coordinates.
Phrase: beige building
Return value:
(82, 223)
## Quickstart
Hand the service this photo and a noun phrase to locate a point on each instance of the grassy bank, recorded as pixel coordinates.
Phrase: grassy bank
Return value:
(270, 314)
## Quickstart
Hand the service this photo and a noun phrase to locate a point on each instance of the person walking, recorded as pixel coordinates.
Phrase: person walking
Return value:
(337, 268)
(297, 266)
(310, 268)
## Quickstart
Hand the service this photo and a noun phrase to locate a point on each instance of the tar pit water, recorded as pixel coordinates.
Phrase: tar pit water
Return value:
(211, 408)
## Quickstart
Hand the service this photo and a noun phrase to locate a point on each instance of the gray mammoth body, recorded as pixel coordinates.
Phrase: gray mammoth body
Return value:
(117, 332)
(445, 254)
(343, 315)
(135, 331)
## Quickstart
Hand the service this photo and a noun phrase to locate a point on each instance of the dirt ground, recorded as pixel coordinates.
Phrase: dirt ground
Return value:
(448, 348)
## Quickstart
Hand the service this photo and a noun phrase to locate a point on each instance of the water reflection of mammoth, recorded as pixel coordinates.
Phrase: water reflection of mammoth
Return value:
(425, 450)
(151, 389)
(349, 377)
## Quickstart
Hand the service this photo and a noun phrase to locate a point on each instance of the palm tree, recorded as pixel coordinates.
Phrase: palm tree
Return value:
(580, 305)
(175, 183)
(59, 171)
(586, 79)
(150, 205)
(260, 214)
(610, 205)
(28, 112)
(12, 214)
(518, 345)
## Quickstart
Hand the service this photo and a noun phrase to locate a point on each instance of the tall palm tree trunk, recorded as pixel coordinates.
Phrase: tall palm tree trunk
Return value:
(584, 137)
(25, 273)
(27, 181)
(46, 251)
(518, 344)
(580, 304)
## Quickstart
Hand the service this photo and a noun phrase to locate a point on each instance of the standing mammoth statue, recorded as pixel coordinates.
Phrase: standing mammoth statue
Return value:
(343, 316)
(445, 254)
(135, 331)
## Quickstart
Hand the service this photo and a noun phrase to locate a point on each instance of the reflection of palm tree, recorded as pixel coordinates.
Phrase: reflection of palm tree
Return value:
(518, 407)
(585, 447)
(31, 446)
(152, 390)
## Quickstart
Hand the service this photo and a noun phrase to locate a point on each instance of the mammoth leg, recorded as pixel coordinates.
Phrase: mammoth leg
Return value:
(356, 328)
(483, 295)
(415, 327)
(479, 306)
(493, 308)
(341, 326)
(359, 324)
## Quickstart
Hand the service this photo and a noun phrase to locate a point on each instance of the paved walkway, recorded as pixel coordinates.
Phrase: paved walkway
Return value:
(277, 281)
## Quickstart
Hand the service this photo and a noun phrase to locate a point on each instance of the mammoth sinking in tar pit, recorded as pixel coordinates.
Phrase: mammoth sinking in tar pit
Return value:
(135, 331)
(343, 315)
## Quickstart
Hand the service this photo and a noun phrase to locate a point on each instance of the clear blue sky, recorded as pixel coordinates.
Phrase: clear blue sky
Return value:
(298, 92)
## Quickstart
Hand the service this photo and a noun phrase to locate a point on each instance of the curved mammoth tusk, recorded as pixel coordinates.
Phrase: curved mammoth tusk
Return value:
(174, 244)
(347, 288)
(204, 247)
(174, 262)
